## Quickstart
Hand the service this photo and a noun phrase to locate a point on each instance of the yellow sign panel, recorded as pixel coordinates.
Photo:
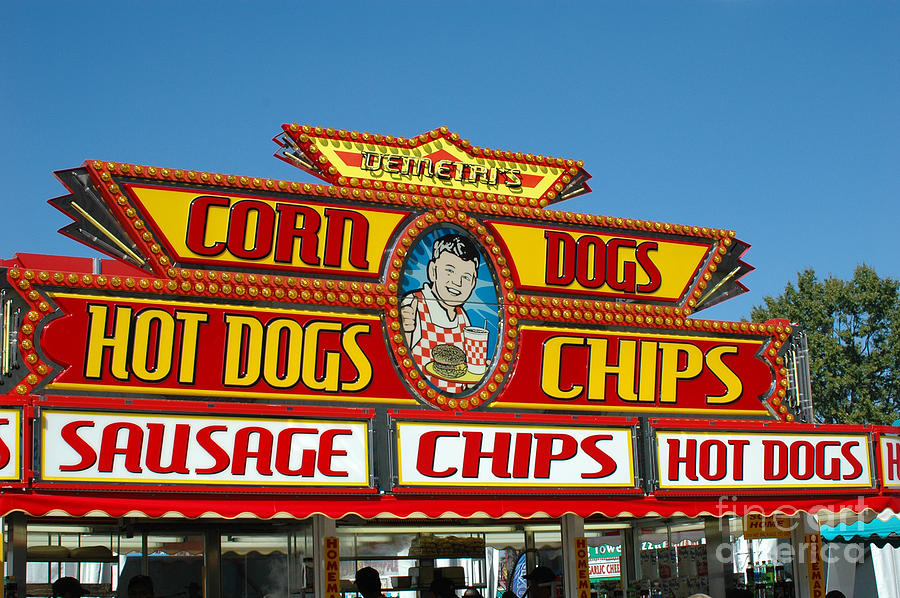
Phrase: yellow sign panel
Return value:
(582, 568)
(438, 163)
(225, 228)
(332, 567)
(757, 527)
(434, 163)
(814, 567)
(575, 261)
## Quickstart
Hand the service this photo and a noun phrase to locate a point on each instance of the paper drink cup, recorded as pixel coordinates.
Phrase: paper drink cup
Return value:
(476, 346)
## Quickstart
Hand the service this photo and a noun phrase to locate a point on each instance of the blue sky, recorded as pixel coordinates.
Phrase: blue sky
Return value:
(778, 119)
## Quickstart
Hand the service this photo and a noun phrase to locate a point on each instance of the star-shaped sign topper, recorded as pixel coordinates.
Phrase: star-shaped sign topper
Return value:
(437, 163)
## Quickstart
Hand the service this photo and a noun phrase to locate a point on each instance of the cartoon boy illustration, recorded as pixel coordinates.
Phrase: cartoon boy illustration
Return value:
(433, 317)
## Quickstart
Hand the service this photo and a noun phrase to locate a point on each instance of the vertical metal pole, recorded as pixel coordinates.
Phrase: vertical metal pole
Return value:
(323, 527)
(572, 527)
(145, 557)
(290, 567)
(718, 554)
(212, 564)
(17, 554)
(383, 450)
(803, 524)
(631, 555)
(530, 551)
(752, 556)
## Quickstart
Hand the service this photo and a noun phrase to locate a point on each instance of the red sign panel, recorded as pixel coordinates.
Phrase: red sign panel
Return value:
(204, 349)
(594, 369)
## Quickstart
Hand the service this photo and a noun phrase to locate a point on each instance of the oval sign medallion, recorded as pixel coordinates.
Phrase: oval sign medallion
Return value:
(448, 308)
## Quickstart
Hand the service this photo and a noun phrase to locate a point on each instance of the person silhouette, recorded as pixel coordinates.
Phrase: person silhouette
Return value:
(140, 586)
(368, 582)
(540, 580)
(68, 587)
(443, 588)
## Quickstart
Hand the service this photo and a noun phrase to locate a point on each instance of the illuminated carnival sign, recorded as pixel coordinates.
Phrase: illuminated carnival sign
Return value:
(427, 272)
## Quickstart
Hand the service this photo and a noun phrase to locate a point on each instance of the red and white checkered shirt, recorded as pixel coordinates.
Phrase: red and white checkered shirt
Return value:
(432, 334)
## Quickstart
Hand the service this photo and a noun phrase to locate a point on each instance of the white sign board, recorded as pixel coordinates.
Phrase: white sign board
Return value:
(513, 456)
(188, 449)
(736, 460)
(890, 461)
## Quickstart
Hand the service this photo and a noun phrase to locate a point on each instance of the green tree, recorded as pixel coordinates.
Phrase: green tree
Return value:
(853, 329)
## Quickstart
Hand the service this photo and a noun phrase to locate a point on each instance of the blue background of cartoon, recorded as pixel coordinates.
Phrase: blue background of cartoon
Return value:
(482, 304)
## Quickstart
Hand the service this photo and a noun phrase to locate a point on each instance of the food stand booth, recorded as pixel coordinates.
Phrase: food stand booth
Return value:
(421, 365)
